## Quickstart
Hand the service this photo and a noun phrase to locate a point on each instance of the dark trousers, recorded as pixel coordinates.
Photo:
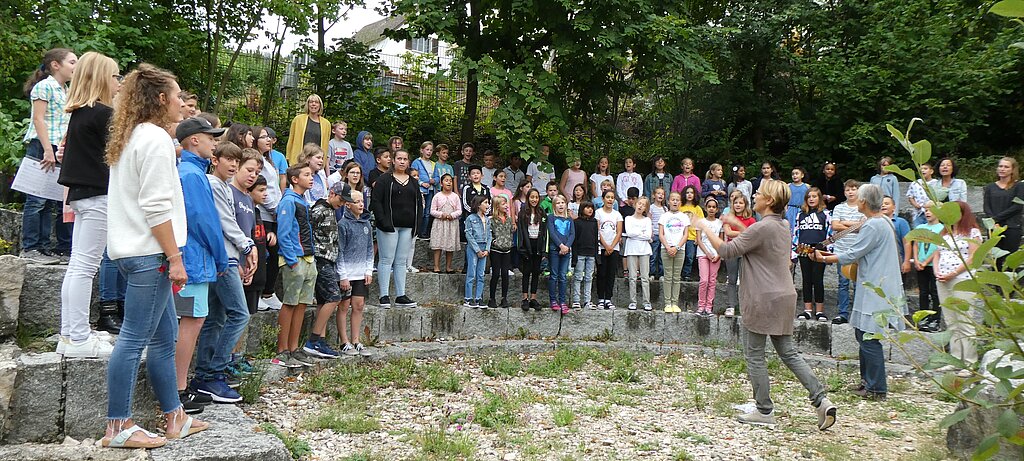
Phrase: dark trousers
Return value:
(607, 265)
(928, 291)
(501, 263)
(813, 275)
(872, 364)
(270, 284)
(1010, 242)
(529, 265)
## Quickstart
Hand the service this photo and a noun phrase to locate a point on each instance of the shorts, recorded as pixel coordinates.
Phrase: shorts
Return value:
(299, 282)
(193, 300)
(358, 288)
(327, 288)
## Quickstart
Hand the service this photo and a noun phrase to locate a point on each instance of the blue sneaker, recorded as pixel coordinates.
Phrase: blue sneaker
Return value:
(218, 389)
(242, 364)
(319, 349)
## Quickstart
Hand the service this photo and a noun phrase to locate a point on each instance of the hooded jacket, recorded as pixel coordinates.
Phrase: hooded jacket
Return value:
(522, 231)
(325, 230)
(364, 157)
(355, 260)
(204, 254)
(294, 230)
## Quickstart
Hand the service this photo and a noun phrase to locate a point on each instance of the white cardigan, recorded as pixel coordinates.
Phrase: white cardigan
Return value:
(144, 192)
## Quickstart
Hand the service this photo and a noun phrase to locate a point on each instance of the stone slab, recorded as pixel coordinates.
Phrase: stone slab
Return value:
(637, 325)
(85, 399)
(688, 328)
(812, 337)
(68, 452)
(398, 324)
(12, 276)
(8, 378)
(844, 343)
(582, 324)
(544, 323)
(486, 323)
(35, 412)
(232, 436)
(442, 321)
(40, 297)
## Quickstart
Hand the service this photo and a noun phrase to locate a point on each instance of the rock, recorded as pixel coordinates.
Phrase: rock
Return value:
(34, 414)
(12, 275)
(8, 377)
(232, 436)
(487, 323)
(442, 320)
(1001, 359)
(636, 325)
(844, 343)
(538, 324)
(85, 398)
(40, 297)
(812, 337)
(398, 324)
(964, 437)
(10, 230)
(52, 452)
(577, 324)
(511, 456)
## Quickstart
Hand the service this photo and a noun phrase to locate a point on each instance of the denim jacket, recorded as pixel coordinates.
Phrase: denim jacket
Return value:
(478, 233)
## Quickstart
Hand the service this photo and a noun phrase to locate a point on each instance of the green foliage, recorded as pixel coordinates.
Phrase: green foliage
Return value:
(12, 130)
(251, 383)
(562, 415)
(295, 446)
(343, 420)
(501, 365)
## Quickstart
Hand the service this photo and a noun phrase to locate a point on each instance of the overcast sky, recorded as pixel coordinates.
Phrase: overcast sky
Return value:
(356, 19)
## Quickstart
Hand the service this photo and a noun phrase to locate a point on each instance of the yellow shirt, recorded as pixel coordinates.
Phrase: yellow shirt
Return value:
(695, 212)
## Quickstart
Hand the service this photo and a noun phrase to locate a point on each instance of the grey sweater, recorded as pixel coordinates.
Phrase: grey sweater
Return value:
(235, 241)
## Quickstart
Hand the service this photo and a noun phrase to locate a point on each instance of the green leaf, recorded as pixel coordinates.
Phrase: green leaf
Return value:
(982, 251)
(1017, 45)
(987, 448)
(905, 172)
(948, 213)
(999, 279)
(921, 314)
(895, 132)
(954, 418)
(1008, 423)
(1008, 8)
(926, 236)
(922, 151)
(1014, 259)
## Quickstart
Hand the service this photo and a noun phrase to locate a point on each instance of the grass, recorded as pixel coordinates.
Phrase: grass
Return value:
(33, 339)
(886, 433)
(561, 363)
(251, 384)
(597, 411)
(723, 403)
(295, 446)
(563, 415)
(650, 445)
(441, 378)
(681, 455)
(268, 342)
(437, 443)
(500, 365)
(831, 451)
(361, 379)
(498, 410)
(692, 437)
(362, 456)
(342, 419)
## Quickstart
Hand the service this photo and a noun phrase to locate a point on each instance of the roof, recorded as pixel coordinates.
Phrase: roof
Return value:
(375, 31)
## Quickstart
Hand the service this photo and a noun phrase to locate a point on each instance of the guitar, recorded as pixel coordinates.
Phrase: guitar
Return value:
(849, 270)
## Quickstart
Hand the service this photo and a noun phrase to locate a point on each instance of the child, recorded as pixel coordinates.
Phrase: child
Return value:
(442, 167)
(339, 149)
(686, 178)
(531, 226)
(579, 196)
(327, 291)
(298, 268)
(514, 173)
(395, 143)
(245, 216)
(606, 185)
(691, 206)
(383, 159)
(627, 208)
(499, 190)
(739, 182)
(926, 271)
(637, 251)
(520, 198)
(739, 207)
(844, 216)
(364, 154)
(658, 178)
(812, 227)
(474, 188)
(540, 171)
(598, 177)
(628, 179)
(917, 196)
(902, 228)
(561, 234)
(462, 167)
(831, 186)
(707, 258)
(444, 237)
(609, 223)
(572, 177)
(501, 249)
(478, 245)
(673, 227)
(797, 191)
(355, 268)
(313, 156)
(548, 203)
(488, 170)
(425, 167)
(584, 248)
(658, 209)
(204, 254)
(257, 192)
(768, 171)
(886, 180)
(713, 184)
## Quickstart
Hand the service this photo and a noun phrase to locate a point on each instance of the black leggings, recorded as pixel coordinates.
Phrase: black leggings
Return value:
(270, 284)
(814, 280)
(501, 263)
(927, 289)
(607, 266)
(529, 265)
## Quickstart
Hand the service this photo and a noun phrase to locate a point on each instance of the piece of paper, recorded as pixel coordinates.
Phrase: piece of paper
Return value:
(31, 179)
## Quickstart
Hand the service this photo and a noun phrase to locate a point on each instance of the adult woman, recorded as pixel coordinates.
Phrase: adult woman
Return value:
(46, 89)
(999, 204)
(268, 213)
(146, 228)
(949, 187)
(768, 298)
(86, 176)
(397, 204)
(951, 263)
(310, 127)
(877, 254)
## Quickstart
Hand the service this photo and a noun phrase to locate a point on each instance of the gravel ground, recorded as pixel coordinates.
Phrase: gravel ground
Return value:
(583, 404)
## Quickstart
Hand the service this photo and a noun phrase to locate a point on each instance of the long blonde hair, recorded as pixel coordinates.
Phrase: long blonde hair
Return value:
(92, 82)
(138, 103)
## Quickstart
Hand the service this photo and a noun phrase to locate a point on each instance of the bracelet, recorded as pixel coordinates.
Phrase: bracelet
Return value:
(175, 255)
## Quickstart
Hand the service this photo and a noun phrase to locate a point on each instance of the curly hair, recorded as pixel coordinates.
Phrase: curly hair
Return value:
(138, 102)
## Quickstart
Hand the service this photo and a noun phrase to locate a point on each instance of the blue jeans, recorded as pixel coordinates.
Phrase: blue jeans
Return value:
(657, 268)
(112, 283)
(691, 255)
(394, 248)
(149, 322)
(229, 314)
(474, 275)
(41, 215)
(845, 288)
(425, 224)
(872, 364)
(559, 265)
(584, 272)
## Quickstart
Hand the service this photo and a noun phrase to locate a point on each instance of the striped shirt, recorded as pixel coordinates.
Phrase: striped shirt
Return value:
(56, 97)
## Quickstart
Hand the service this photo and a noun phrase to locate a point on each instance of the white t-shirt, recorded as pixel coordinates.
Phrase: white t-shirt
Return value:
(675, 225)
(716, 228)
(949, 261)
(596, 180)
(638, 236)
(539, 179)
(487, 176)
(606, 225)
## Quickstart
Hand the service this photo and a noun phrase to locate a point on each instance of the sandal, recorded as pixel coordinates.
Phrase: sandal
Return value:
(123, 439)
(190, 427)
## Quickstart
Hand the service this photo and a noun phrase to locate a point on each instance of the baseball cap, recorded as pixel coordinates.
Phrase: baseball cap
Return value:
(194, 125)
(342, 190)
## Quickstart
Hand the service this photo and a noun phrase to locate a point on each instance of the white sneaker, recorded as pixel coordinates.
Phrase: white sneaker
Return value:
(273, 302)
(730, 312)
(413, 269)
(757, 418)
(632, 306)
(362, 350)
(62, 344)
(262, 305)
(93, 347)
(648, 307)
(591, 306)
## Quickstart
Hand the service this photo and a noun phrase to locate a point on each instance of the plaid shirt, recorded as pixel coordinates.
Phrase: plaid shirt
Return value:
(56, 97)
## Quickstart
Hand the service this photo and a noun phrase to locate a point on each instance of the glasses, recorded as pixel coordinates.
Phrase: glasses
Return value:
(263, 137)
(119, 78)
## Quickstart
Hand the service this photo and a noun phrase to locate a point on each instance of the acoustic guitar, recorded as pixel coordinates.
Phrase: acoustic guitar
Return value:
(849, 270)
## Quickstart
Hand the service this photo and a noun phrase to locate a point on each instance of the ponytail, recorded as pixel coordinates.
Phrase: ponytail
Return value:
(43, 71)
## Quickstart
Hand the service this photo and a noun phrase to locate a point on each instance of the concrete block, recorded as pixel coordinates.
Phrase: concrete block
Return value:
(485, 323)
(423, 257)
(424, 350)
(687, 328)
(35, 409)
(232, 436)
(844, 343)
(582, 324)
(916, 350)
(8, 377)
(452, 288)
(12, 276)
(726, 332)
(85, 399)
(262, 327)
(442, 321)
(812, 337)
(40, 297)
(398, 324)
(544, 323)
(636, 325)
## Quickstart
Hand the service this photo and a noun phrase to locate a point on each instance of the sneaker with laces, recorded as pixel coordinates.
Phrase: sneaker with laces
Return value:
(218, 389)
(262, 305)
(281, 360)
(91, 347)
(757, 418)
(730, 312)
(480, 303)
(504, 303)
(839, 320)
(591, 306)
(491, 303)
(319, 349)
(577, 305)
(273, 302)
(405, 301)
(609, 305)
(299, 356)
(565, 308)
(243, 364)
(62, 344)
(826, 414)
(668, 309)
(555, 306)
(535, 304)
(349, 350)
(648, 307)
(632, 306)
(37, 257)
(821, 317)
(525, 305)
(385, 302)
(189, 404)
(363, 351)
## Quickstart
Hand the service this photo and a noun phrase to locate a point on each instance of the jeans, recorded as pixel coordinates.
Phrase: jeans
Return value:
(40, 215)
(86, 253)
(732, 289)
(584, 274)
(475, 266)
(425, 224)
(638, 266)
(393, 248)
(959, 323)
(501, 263)
(673, 275)
(691, 254)
(708, 282)
(757, 368)
(657, 268)
(607, 266)
(845, 290)
(149, 323)
(112, 283)
(556, 281)
(872, 364)
(224, 325)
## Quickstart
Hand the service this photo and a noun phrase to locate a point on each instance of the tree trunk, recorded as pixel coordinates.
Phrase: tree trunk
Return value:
(469, 115)
(269, 85)
(212, 46)
(231, 64)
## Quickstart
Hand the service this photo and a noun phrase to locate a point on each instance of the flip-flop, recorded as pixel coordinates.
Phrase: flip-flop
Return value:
(187, 429)
(123, 439)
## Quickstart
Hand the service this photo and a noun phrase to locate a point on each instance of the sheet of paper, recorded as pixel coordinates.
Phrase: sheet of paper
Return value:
(31, 179)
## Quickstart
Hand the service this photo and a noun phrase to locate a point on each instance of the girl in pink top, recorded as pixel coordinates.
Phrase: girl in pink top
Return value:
(498, 188)
(571, 177)
(686, 178)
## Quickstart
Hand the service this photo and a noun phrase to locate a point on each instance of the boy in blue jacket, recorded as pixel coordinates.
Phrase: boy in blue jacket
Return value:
(298, 268)
(204, 254)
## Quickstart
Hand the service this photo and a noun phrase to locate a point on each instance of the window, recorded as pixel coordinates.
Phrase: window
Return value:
(422, 45)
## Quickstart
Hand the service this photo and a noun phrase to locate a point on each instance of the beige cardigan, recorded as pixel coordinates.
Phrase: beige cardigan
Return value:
(767, 295)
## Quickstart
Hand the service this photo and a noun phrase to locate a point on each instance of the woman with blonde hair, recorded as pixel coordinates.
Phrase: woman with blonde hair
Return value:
(145, 232)
(999, 204)
(768, 298)
(86, 176)
(308, 127)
